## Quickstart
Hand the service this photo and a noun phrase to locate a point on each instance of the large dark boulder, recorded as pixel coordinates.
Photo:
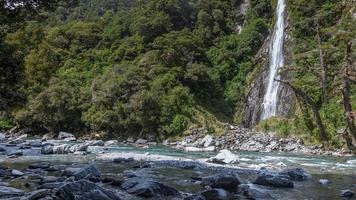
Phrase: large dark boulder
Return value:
(41, 165)
(47, 149)
(90, 171)
(226, 181)
(254, 193)
(85, 190)
(217, 194)
(297, 174)
(143, 187)
(273, 180)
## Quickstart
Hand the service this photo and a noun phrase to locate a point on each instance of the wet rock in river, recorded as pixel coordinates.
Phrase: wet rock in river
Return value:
(254, 193)
(123, 160)
(15, 153)
(225, 181)
(273, 180)
(64, 135)
(324, 181)
(144, 187)
(37, 194)
(217, 194)
(225, 157)
(297, 174)
(84, 189)
(88, 171)
(17, 173)
(111, 143)
(41, 165)
(141, 141)
(347, 193)
(47, 149)
(62, 149)
(8, 192)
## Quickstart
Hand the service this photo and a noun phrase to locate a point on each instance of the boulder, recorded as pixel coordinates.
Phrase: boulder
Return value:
(144, 187)
(273, 180)
(70, 171)
(84, 189)
(251, 192)
(207, 141)
(47, 149)
(61, 149)
(297, 174)
(9, 192)
(88, 171)
(19, 139)
(141, 141)
(17, 173)
(347, 193)
(41, 165)
(217, 194)
(63, 135)
(70, 139)
(2, 149)
(225, 181)
(15, 153)
(111, 143)
(123, 160)
(36, 143)
(37, 194)
(225, 157)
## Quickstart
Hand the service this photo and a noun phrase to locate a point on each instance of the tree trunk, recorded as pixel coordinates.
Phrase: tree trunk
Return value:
(324, 69)
(315, 110)
(346, 94)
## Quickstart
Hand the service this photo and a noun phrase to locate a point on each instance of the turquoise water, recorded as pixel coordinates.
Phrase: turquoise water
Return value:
(341, 171)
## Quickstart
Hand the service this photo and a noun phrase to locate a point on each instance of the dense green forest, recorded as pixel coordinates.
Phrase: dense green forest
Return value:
(130, 67)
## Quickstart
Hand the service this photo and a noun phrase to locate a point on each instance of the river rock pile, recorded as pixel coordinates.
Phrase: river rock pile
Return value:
(246, 140)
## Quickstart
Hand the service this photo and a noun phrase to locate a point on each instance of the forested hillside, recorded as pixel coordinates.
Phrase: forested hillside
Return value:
(160, 67)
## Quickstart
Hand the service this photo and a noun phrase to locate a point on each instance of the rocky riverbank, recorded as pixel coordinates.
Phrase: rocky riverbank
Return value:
(240, 139)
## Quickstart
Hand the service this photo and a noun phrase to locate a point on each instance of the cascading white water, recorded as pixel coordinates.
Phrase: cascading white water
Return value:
(276, 57)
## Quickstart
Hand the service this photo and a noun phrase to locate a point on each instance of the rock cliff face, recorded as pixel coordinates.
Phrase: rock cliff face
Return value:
(253, 105)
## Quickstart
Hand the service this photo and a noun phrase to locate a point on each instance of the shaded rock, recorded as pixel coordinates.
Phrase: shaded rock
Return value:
(84, 189)
(217, 194)
(19, 139)
(297, 174)
(225, 157)
(63, 135)
(8, 192)
(35, 144)
(224, 181)
(2, 149)
(70, 171)
(41, 165)
(143, 187)
(90, 170)
(51, 185)
(347, 193)
(36, 194)
(47, 149)
(273, 180)
(253, 193)
(195, 197)
(123, 160)
(15, 153)
(112, 180)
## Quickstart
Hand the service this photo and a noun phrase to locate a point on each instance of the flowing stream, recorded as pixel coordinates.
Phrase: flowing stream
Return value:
(276, 60)
(341, 171)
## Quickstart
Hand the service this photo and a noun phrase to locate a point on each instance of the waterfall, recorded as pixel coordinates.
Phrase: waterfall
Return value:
(276, 62)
